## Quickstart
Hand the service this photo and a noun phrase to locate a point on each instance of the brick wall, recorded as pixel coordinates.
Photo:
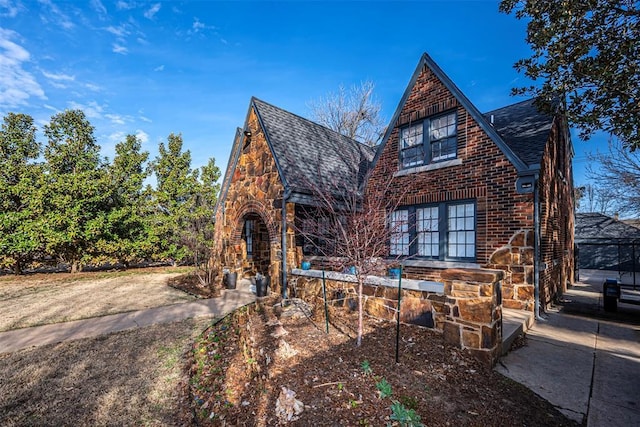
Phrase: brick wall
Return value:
(556, 215)
(485, 175)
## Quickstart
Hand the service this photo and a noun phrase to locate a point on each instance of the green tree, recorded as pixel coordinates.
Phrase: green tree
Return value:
(77, 189)
(126, 238)
(198, 234)
(172, 200)
(20, 213)
(586, 52)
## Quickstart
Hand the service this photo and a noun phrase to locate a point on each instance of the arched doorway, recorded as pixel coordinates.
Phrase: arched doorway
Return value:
(257, 253)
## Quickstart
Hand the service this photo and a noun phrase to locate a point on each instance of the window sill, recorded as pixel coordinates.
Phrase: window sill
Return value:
(429, 167)
(439, 264)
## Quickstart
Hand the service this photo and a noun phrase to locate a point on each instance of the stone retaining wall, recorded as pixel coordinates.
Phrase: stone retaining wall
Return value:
(467, 309)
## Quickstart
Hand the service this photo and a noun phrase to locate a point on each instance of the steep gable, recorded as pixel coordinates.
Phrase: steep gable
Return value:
(520, 131)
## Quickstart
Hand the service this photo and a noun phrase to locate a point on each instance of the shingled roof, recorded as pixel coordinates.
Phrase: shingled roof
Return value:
(592, 227)
(524, 128)
(311, 157)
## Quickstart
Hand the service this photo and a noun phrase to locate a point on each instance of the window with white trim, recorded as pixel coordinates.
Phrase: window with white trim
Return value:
(432, 140)
(445, 231)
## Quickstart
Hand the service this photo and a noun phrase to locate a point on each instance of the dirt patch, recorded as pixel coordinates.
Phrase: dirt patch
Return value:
(40, 299)
(244, 366)
(128, 378)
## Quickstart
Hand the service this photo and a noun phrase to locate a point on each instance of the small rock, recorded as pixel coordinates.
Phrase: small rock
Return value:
(279, 332)
(288, 408)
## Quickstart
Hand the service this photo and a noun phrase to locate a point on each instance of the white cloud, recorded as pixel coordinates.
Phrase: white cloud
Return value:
(123, 5)
(117, 137)
(93, 87)
(17, 85)
(120, 49)
(99, 7)
(57, 16)
(159, 68)
(10, 10)
(119, 31)
(92, 110)
(143, 117)
(116, 119)
(142, 136)
(150, 13)
(197, 25)
(58, 77)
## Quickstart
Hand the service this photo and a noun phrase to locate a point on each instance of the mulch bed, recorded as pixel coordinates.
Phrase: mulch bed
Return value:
(191, 284)
(242, 366)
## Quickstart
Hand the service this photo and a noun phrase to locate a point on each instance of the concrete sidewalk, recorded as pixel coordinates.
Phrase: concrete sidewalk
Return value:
(583, 361)
(48, 334)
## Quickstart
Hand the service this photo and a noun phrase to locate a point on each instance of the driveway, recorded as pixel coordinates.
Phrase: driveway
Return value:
(582, 359)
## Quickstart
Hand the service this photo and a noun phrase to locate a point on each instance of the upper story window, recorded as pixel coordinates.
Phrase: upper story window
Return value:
(432, 140)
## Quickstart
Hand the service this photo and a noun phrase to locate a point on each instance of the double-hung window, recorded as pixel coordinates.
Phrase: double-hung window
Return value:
(432, 140)
(445, 231)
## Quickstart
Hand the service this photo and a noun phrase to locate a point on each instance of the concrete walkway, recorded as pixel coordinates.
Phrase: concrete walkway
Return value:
(49, 334)
(582, 359)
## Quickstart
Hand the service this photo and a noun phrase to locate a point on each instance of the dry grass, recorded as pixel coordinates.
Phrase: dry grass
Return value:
(41, 299)
(133, 377)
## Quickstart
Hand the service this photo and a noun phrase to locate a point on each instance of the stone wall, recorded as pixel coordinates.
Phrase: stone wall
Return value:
(516, 259)
(381, 302)
(473, 311)
(255, 191)
(468, 311)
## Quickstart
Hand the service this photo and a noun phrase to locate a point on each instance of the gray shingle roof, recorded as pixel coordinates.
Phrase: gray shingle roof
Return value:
(524, 128)
(602, 228)
(312, 157)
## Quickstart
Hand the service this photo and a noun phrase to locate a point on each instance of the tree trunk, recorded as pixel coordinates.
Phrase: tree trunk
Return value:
(76, 267)
(360, 312)
(17, 268)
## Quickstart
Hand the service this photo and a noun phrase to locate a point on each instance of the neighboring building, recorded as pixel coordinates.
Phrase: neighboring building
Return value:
(605, 243)
(489, 190)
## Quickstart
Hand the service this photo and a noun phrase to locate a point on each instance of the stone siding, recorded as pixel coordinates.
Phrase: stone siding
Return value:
(255, 191)
(516, 259)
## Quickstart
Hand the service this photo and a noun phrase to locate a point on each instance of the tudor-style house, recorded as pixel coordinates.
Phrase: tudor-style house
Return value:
(480, 191)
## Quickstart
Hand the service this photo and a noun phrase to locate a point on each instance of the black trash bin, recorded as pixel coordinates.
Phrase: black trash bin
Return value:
(610, 294)
(262, 283)
(229, 279)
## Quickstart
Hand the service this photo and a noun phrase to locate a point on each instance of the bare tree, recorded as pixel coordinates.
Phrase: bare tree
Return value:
(617, 174)
(352, 230)
(354, 113)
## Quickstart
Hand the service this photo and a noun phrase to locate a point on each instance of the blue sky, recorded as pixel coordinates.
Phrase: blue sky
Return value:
(191, 67)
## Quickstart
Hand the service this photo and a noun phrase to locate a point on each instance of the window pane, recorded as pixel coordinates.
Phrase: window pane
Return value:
(461, 234)
(411, 136)
(399, 223)
(427, 229)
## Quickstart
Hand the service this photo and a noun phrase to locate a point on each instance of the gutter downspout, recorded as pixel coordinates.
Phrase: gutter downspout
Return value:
(285, 196)
(536, 248)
